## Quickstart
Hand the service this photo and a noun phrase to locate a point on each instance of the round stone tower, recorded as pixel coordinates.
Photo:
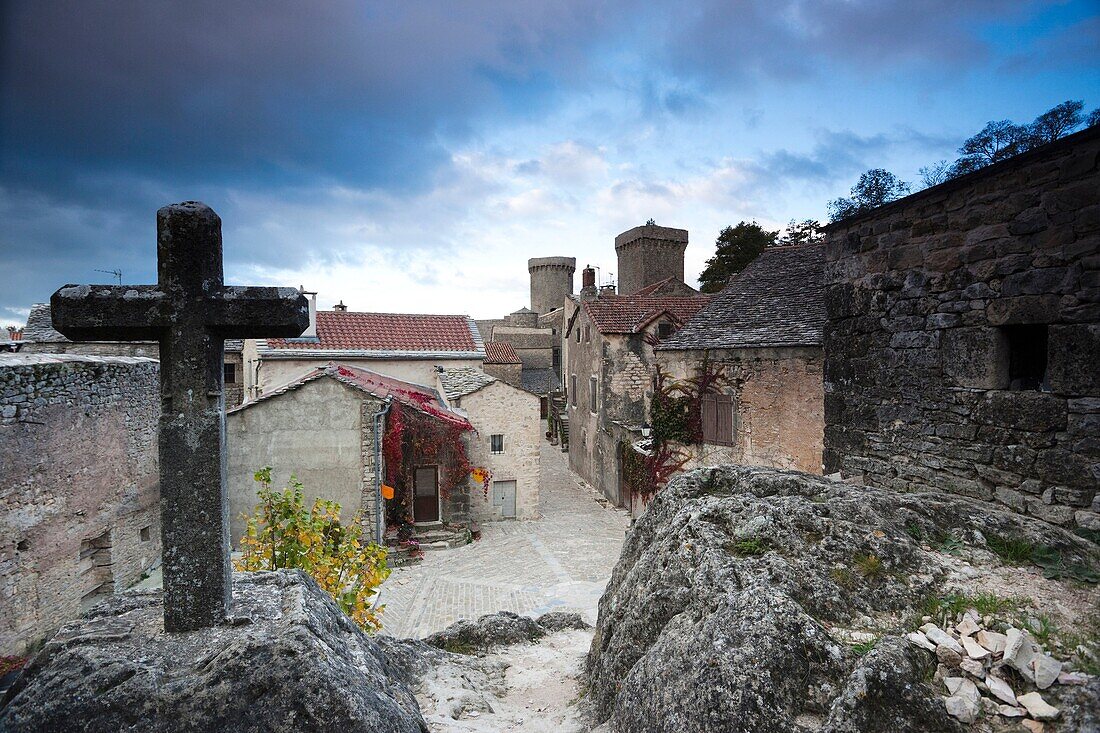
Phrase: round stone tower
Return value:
(649, 254)
(551, 281)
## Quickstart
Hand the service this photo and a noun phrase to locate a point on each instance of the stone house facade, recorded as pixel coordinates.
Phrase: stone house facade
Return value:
(609, 368)
(502, 362)
(79, 488)
(964, 337)
(764, 333)
(322, 428)
(507, 442)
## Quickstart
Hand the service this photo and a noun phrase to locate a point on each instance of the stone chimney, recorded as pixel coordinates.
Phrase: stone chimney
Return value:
(588, 282)
(340, 307)
(649, 254)
(311, 332)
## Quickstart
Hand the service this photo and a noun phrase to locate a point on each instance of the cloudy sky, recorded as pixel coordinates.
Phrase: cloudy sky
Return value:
(410, 156)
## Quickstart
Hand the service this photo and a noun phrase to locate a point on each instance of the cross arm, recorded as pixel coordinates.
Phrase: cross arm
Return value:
(110, 312)
(259, 312)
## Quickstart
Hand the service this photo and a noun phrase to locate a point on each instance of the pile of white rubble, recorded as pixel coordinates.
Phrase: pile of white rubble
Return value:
(972, 661)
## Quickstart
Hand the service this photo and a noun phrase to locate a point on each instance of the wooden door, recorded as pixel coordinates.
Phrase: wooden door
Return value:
(426, 495)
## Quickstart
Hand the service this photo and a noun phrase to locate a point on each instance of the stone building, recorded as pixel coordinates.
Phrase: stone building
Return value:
(79, 490)
(609, 369)
(764, 331)
(325, 427)
(405, 346)
(509, 433)
(650, 254)
(964, 337)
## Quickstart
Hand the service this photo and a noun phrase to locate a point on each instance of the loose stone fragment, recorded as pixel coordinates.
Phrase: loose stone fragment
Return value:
(966, 627)
(973, 667)
(1072, 678)
(1011, 711)
(1000, 689)
(948, 657)
(1044, 670)
(941, 638)
(1037, 707)
(965, 702)
(991, 640)
(1019, 651)
(918, 639)
(974, 650)
(1033, 725)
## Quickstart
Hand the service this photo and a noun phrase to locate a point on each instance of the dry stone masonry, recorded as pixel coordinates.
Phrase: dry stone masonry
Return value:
(78, 486)
(964, 337)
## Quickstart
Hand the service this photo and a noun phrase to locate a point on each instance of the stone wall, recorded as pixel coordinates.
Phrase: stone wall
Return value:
(313, 432)
(649, 254)
(79, 493)
(943, 306)
(551, 281)
(504, 410)
(148, 349)
(779, 401)
(234, 391)
(510, 373)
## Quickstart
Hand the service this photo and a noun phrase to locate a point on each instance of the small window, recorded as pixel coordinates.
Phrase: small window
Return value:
(592, 383)
(587, 334)
(573, 390)
(717, 418)
(230, 371)
(1027, 357)
(578, 335)
(496, 443)
(664, 330)
(146, 533)
(555, 356)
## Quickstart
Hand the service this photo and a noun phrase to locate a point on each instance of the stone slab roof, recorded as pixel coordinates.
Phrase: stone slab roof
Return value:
(384, 335)
(500, 352)
(778, 300)
(539, 381)
(460, 381)
(668, 286)
(17, 359)
(417, 396)
(632, 313)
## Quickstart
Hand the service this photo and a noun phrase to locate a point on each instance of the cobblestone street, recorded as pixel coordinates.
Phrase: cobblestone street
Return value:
(559, 562)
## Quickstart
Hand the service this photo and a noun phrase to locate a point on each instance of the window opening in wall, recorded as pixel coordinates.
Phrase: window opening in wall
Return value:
(96, 570)
(573, 390)
(1027, 357)
(496, 443)
(230, 372)
(146, 533)
(587, 333)
(717, 417)
(578, 335)
(664, 330)
(555, 355)
(592, 383)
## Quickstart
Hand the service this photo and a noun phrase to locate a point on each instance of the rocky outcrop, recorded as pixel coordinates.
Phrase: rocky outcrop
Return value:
(503, 628)
(289, 660)
(723, 611)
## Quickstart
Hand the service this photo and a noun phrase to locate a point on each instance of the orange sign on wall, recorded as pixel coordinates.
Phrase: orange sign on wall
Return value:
(387, 492)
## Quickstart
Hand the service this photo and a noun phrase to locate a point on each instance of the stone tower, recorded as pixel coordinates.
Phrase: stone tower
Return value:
(649, 254)
(551, 281)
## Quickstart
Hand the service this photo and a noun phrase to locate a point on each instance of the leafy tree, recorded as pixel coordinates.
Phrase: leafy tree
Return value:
(282, 533)
(996, 141)
(1056, 122)
(807, 231)
(874, 188)
(735, 248)
(1094, 118)
(935, 174)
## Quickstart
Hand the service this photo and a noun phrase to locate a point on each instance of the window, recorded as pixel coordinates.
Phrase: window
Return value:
(592, 383)
(587, 334)
(1027, 357)
(230, 371)
(555, 357)
(146, 533)
(573, 390)
(578, 334)
(664, 330)
(496, 443)
(717, 417)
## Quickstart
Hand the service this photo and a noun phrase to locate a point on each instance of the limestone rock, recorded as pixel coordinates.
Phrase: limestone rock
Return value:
(919, 639)
(965, 702)
(1000, 689)
(939, 637)
(1033, 726)
(973, 667)
(974, 650)
(1044, 670)
(493, 629)
(991, 640)
(560, 621)
(1037, 707)
(1011, 711)
(289, 661)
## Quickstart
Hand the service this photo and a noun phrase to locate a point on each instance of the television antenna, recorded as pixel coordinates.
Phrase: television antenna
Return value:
(116, 273)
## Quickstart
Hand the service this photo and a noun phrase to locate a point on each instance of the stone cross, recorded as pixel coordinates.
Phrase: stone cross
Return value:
(190, 312)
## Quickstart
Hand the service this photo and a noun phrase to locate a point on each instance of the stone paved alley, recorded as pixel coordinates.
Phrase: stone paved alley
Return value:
(559, 562)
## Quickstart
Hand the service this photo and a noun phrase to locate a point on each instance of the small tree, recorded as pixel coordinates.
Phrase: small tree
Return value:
(1056, 122)
(1093, 118)
(874, 188)
(282, 533)
(935, 174)
(807, 231)
(735, 248)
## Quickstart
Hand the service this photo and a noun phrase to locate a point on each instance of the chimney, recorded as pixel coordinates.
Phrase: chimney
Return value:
(340, 307)
(311, 332)
(588, 282)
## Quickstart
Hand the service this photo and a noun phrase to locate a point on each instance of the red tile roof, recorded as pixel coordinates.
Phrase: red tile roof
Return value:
(632, 313)
(500, 352)
(417, 396)
(386, 332)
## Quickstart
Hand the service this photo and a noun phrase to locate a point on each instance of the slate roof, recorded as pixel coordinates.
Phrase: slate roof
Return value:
(655, 288)
(416, 396)
(384, 334)
(500, 352)
(460, 381)
(778, 300)
(539, 381)
(632, 313)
